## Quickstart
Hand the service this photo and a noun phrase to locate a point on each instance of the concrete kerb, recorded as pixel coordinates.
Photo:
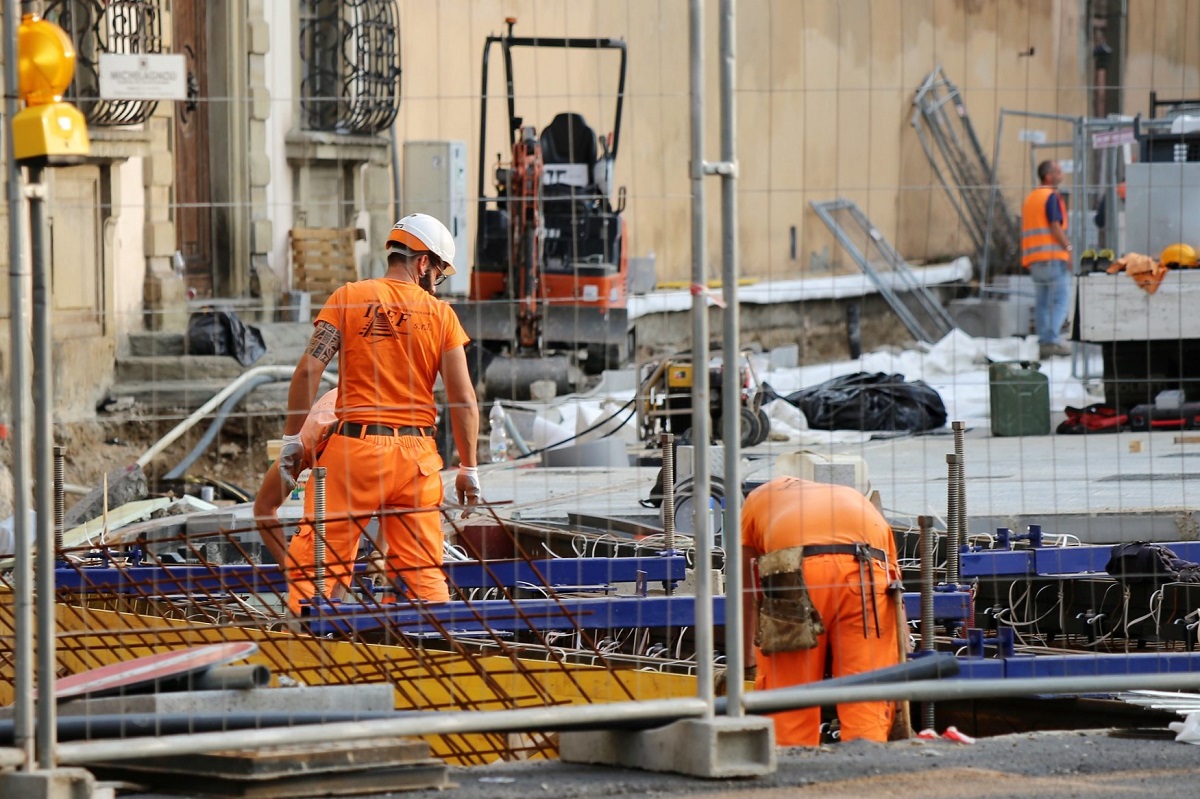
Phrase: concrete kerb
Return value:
(712, 748)
(59, 783)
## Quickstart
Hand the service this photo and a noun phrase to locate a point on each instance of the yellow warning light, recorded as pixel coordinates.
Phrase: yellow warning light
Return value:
(45, 60)
(48, 131)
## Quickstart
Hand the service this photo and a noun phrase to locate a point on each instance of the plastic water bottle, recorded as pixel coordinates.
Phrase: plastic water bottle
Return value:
(497, 436)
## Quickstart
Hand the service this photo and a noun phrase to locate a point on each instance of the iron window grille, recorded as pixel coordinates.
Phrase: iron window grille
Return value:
(107, 26)
(350, 65)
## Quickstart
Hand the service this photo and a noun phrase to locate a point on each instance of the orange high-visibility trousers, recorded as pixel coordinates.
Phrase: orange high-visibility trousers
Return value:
(836, 590)
(363, 476)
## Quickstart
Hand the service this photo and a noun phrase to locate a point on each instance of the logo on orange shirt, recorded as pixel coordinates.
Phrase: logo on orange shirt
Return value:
(382, 322)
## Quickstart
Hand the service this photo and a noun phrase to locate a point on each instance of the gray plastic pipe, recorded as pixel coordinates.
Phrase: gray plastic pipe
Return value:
(280, 372)
(537, 718)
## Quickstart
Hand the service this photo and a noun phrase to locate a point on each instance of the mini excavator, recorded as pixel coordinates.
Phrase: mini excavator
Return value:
(549, 283)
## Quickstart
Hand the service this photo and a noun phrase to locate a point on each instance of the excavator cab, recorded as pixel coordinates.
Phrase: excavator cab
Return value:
(549, 282)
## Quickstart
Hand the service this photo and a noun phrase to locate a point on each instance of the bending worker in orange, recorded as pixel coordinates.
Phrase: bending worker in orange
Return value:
(393, 338)
(826, 558)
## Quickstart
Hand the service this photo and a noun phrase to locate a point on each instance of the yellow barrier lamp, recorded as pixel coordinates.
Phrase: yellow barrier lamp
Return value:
(48, 131)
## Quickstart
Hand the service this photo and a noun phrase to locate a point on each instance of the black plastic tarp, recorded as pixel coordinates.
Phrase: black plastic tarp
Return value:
(864, 401)
(218, 331)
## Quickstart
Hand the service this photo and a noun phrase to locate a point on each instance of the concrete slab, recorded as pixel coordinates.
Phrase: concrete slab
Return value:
(60, 783)
(308, 699)
(1101, 488)
(715, 748)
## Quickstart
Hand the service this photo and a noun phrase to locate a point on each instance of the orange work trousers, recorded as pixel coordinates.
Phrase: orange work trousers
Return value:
(388, 475)
(836, 590)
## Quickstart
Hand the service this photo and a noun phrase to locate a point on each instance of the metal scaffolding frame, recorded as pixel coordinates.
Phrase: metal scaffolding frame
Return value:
(925, 318)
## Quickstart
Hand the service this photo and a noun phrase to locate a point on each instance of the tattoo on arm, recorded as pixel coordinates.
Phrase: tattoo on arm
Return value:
(325, 342)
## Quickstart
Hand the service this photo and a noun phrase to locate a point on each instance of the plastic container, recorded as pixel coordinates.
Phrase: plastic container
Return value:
(1019, 396)
(497, 435)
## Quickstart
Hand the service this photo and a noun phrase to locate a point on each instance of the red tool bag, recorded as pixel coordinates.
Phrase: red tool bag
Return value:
(1092, 419)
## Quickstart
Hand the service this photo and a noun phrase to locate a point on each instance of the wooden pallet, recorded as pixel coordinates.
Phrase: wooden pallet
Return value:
(322, 260)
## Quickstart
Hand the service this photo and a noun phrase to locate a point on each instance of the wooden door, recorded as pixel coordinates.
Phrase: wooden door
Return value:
(193, 184)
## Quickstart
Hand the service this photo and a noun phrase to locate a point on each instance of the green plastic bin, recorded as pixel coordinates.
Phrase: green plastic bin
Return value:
(1019, 396)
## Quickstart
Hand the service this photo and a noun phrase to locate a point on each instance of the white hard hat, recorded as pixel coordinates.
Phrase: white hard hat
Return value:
(418, 233)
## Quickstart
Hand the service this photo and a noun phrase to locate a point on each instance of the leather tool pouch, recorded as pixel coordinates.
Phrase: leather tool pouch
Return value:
(787, 620)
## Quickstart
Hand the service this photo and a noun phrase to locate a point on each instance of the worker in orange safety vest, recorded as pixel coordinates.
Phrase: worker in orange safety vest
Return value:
(1046, 253)
(820, 559)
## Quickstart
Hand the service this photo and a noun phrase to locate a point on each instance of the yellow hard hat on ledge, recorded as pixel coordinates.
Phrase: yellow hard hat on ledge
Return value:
(1178, 254)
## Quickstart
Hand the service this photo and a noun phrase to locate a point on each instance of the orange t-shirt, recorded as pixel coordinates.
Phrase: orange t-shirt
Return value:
(790, 512)
(393, 337)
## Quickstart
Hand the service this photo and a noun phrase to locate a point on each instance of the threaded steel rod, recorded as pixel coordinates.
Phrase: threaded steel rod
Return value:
(927, 645)
(953, 470)
(318, 477)
(60, 506)
(960, 429)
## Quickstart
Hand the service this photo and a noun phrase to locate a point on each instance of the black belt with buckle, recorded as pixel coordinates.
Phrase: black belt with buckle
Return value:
(356, 430)
(861, 551)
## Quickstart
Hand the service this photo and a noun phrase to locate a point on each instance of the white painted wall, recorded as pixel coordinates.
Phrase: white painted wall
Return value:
(282, 81)
(129, 255)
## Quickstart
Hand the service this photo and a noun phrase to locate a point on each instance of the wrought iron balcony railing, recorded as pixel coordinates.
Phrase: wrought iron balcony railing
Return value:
(107, 26)
(350, 65)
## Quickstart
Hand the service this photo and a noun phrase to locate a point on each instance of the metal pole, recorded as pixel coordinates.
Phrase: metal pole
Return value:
(668, 496)
(43, 405)
(731, 388)
(448, 723)
(952, 690)
(19, 376)
(701, 484)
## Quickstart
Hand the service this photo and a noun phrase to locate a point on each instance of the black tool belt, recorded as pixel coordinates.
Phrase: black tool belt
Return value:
(356, 430)
(789, 586)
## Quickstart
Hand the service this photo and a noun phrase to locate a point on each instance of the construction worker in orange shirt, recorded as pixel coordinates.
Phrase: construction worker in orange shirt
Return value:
(819, 560)
(393, 338)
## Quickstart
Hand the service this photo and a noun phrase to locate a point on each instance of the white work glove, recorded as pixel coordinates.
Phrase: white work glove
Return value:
(466, 487)
(290, 456)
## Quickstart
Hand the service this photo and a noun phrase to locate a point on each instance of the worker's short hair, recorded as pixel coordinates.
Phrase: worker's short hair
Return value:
(1044, 169)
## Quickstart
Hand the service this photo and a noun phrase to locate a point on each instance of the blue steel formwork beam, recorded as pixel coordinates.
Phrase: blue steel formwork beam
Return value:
(596, 573)
(600, 613)
(1052, 561)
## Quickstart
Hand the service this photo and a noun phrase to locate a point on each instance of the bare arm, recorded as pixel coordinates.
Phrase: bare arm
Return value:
(1060, 235)
(324, 344)
(266, 514)
(464, 407)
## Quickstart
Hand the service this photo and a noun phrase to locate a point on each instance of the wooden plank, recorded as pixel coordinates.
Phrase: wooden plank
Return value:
(319, 232)
(1187, 439)
(323, 260)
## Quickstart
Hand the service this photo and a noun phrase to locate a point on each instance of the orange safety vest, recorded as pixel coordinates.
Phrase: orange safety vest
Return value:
(1037, 241)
